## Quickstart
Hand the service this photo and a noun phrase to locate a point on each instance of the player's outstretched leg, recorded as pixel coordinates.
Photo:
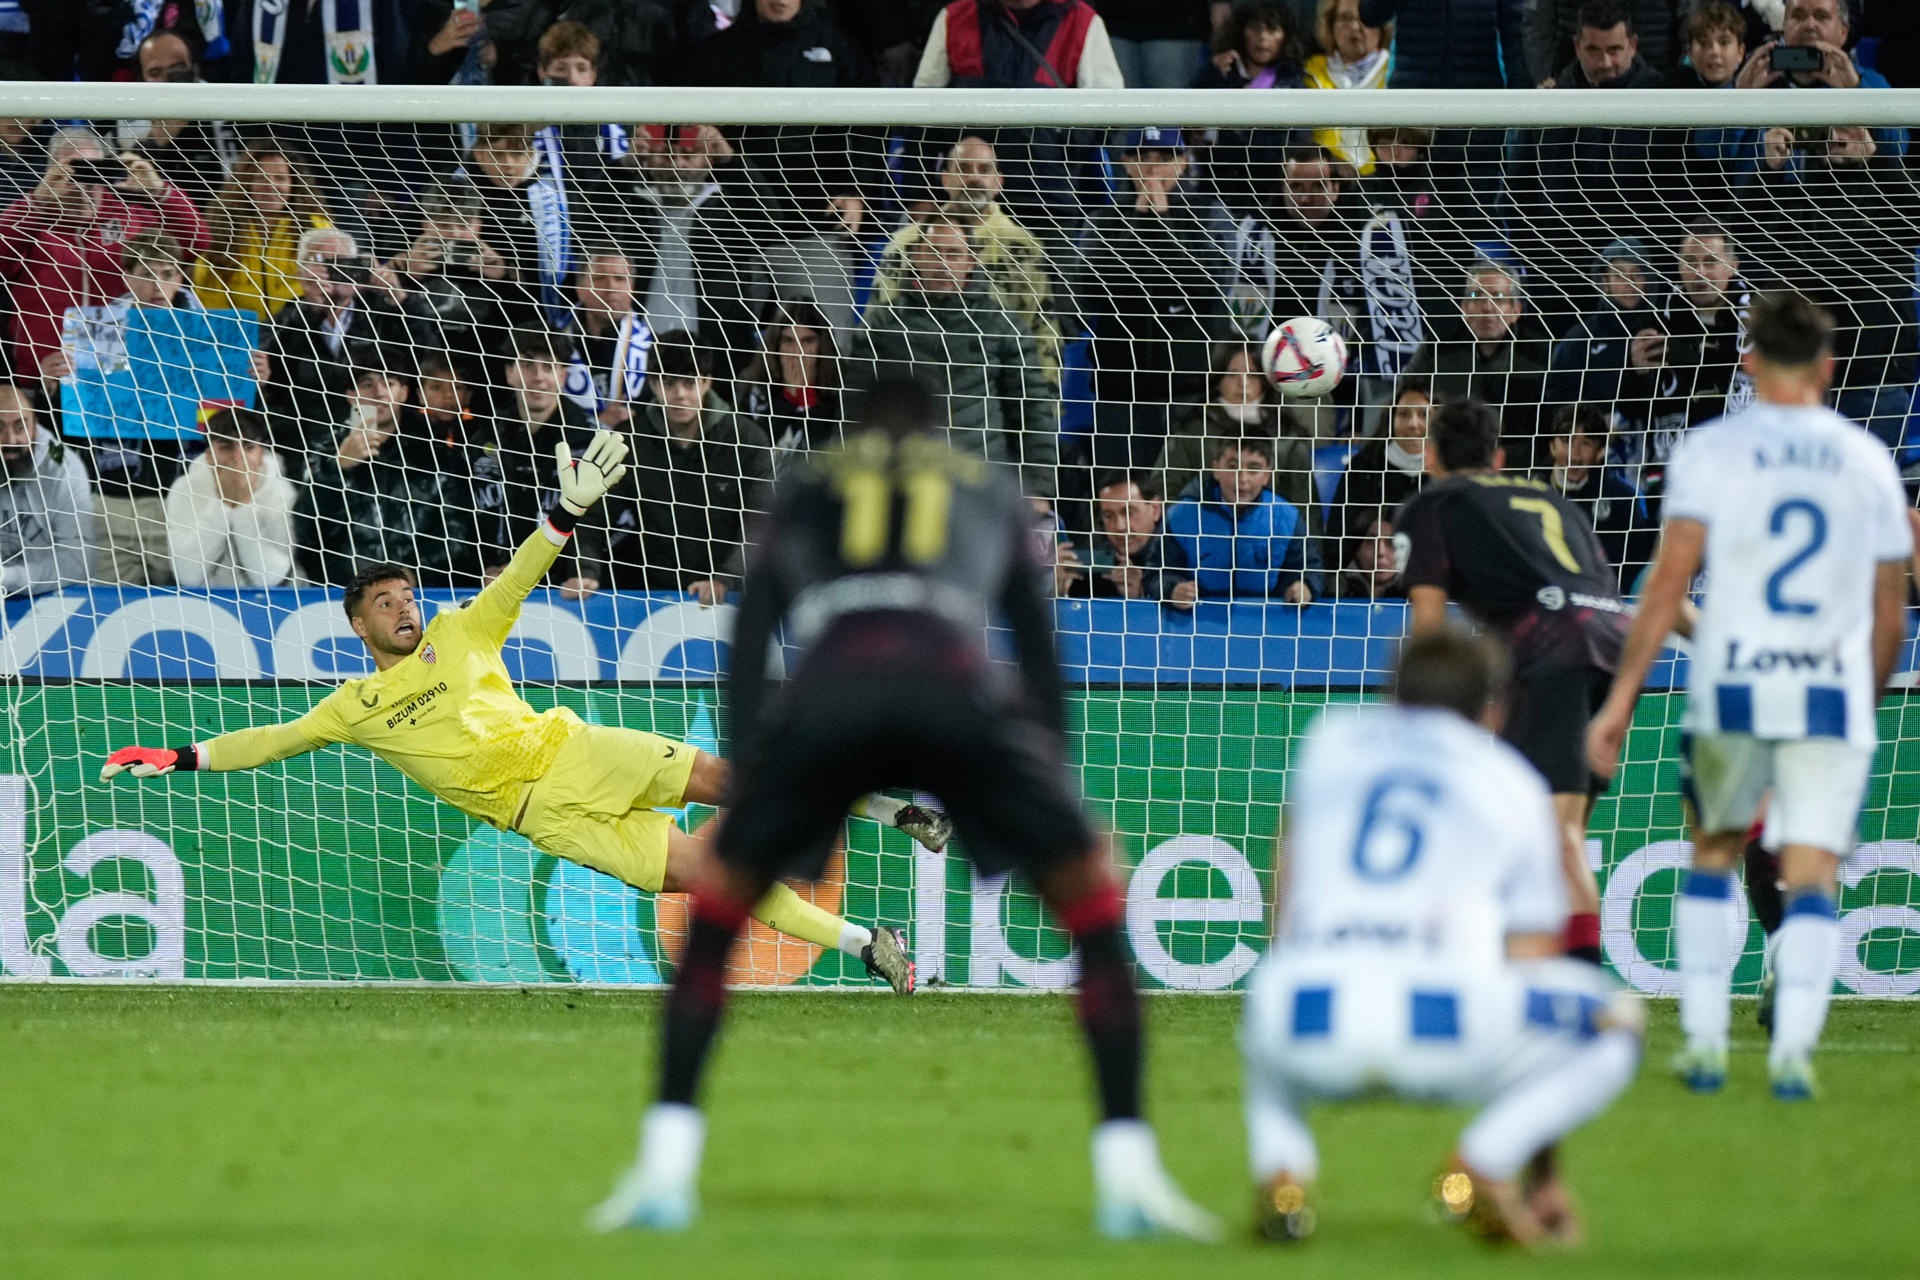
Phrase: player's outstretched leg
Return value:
(923, 823)
(882, 950)
(1804, 960)
(1134, 1196)
(660, 1192)
(1703, 925)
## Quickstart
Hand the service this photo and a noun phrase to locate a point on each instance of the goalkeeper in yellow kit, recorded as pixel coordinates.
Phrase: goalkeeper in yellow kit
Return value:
(440, 708)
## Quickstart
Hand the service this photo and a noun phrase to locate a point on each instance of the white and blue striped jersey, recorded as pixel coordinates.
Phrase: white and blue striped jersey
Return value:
(1800, 507)
(1415, 835)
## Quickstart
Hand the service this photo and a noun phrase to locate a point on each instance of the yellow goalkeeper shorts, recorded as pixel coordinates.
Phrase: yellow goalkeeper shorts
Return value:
(596, 805)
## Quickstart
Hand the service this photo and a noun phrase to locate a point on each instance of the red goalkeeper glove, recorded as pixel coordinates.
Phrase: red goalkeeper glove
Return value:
(149, 762)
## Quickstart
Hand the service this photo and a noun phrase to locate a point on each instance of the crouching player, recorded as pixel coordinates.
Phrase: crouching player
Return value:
(440, 708)
(886, 558)
(1420, 911)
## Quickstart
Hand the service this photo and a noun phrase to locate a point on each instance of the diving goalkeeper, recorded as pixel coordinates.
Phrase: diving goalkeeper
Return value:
(440, 708)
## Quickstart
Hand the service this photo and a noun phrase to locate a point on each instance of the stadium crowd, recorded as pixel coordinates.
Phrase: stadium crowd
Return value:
(438, 305)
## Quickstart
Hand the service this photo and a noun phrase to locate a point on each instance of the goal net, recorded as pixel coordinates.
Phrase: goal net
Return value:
(252, 354)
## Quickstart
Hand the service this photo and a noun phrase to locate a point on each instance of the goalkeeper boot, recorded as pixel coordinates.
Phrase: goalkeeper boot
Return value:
(1493, 1210)
(1702, 1067)
(929, 826)
(1134, 1197)
(1548, 1200)
(1284, 1212)
(886, 958)
(659, 1192)
(1792, 1078)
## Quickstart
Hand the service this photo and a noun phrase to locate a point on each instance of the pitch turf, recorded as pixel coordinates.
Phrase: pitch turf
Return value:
(373, 1134)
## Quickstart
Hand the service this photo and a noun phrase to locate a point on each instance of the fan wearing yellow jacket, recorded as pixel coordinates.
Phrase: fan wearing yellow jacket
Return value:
(440, 708)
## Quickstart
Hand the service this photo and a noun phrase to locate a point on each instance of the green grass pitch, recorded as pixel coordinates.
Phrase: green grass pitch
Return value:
(365, 1133)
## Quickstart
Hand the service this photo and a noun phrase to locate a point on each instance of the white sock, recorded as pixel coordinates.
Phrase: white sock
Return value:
(1122, 1150)
(672, 1137)
(1703, 924)
(883, 809)
(1547, 1107)
(854, 938)
(1278, 1140)
(1806, 952)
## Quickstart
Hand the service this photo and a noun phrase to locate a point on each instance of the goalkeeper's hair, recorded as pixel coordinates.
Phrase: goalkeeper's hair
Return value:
(369, 576)
(1454, 670)
(1465, 433)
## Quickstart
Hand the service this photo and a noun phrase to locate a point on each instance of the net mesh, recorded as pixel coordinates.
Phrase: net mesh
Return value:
(252, 358)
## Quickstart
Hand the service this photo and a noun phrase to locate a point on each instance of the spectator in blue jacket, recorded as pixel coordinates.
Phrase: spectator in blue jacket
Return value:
(1240, 539)
(1825, 25)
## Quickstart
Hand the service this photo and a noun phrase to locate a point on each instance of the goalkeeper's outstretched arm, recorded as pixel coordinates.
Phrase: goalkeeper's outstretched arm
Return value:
(584, 481)
(243, 749)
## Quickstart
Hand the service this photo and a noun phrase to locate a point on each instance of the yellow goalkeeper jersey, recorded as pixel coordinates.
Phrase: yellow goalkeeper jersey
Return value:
(446, 716)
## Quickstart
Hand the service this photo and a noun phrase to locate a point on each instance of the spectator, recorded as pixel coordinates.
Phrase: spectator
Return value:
(515, 476)
(1013, 257)
(947, 324)
(230, 517)
(1606, 48)
(570, 55)
(1242, 404)
(1716, 42)
(132, 471)
(1705, 323)
(384, 487)
(1128, 560)
(1158, 44)
(46, 510)
(254, 225)
(1496, 352)
(696, 473)
(1610, 357)
(447, 394)
(699, 262)
(1146, 284)
(793, 389)
(196, 156)
(1355, 57)
(608, 341)
(1454, 44)
(1370, 566)
(1554, 32)
(1261, 45)
(1386, 471)
(1835, 222)
(1026, 44)
(524, 212)
(60, 244)
(311, 345)
(639, 41)
(455, 281)
(1241, 540)
(1058, 556)
(1825, 25)
(462, 48)
(1577, 446)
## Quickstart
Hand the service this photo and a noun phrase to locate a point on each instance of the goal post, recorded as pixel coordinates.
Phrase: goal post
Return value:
(269, 334)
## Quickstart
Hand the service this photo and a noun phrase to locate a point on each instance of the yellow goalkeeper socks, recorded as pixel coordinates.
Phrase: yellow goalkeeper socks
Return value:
(789, 913)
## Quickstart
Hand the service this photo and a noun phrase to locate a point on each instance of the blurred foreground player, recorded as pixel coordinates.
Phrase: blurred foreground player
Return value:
(1420, 909)
(1798, 519)
(885, 558)
(1522, 559)
(441, 709)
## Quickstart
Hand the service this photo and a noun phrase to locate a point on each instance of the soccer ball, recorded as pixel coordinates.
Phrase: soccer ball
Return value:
(1304, 358)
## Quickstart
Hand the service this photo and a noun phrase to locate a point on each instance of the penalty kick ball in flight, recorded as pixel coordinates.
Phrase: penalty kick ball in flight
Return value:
(1304, 358)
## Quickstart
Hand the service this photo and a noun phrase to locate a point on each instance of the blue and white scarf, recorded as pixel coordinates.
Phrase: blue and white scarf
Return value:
(349, 40)
(625, 380)
(1393, 308)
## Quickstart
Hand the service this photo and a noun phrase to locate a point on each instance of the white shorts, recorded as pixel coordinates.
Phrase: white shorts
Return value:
(1812, 787)
(1342, 1026)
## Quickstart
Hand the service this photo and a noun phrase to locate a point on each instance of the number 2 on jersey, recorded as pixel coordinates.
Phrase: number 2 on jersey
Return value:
(1816, 537)
(1393, 825)
(1553, 530)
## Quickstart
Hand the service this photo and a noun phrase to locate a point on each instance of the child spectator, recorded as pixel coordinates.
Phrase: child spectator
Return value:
(46, 509)
(1388, 471)
(1716, 40)
(1242, 404)
(230, 517)
(1370, 568)
(1128, 560)
(1242, 540)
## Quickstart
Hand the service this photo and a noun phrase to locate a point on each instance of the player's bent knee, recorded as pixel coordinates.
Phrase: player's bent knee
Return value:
(707, 783)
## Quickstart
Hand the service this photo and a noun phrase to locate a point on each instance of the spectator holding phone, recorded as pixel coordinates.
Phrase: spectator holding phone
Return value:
(60, 244)
(253, 227)
(1811, 53)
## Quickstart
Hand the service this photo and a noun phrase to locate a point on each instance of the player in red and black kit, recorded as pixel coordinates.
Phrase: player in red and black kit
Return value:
(885, 559)
(1521, 559)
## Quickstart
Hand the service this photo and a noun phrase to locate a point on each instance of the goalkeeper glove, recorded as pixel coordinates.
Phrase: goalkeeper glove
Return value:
(149, 762)
(586, 479)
